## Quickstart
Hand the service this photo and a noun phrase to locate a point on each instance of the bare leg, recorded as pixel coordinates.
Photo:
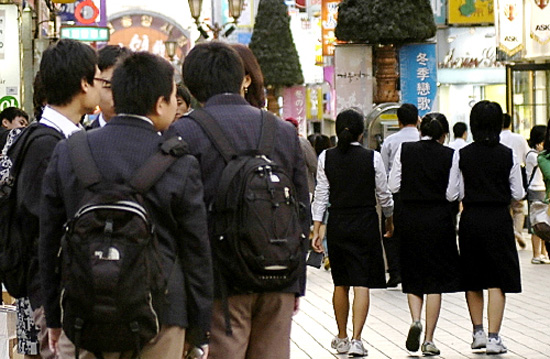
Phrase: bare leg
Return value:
(475, 306)
(543, 250)
(340, 301)
(536, 243)
(519, 219)
(360, 310)
(433, 307)
(415, 306)
(495, 309)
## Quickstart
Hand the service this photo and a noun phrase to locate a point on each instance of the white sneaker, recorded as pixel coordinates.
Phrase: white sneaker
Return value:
(495, 346)
(480, 340)
(357, 349)
(341, 345)
(544, 259)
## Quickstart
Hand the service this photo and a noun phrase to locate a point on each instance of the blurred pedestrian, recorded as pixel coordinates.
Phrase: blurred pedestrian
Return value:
(460, 133)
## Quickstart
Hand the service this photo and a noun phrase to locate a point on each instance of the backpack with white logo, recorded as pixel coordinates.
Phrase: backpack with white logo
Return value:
(113, 285)
(255, 216)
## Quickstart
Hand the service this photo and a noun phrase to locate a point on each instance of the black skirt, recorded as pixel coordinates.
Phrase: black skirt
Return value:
(429, 252)
(355, 248)
(489, 258)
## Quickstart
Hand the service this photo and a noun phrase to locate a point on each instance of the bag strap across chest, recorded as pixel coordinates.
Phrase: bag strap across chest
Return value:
(222, 143)
(144, 178)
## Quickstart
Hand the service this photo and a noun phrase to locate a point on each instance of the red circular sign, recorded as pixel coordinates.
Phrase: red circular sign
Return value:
(81, 7)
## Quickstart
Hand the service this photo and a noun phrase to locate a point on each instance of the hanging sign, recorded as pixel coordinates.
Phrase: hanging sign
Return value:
(537, 38)
(10, 61)
(509, 26)
(439, 8)
(329, 17)
(294, 105)
(471, 12)
(418, 76)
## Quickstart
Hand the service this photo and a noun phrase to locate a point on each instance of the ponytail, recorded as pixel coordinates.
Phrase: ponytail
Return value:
(434, 125)
(349, 127)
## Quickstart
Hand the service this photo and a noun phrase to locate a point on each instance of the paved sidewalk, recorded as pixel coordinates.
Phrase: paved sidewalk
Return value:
(525, 330)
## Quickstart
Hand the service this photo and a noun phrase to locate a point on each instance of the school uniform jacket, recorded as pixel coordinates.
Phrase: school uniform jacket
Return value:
(241, 123)
(175, 203)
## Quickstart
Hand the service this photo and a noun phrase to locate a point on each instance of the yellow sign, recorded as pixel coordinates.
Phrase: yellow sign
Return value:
(471, 12)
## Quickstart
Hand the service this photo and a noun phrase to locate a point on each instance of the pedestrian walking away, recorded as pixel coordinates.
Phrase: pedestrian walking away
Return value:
(352, 179)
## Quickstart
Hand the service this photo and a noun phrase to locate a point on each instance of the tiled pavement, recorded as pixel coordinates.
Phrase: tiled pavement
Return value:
(525, 330)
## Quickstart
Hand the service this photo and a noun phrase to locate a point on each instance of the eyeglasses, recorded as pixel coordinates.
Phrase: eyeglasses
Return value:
(106, 84)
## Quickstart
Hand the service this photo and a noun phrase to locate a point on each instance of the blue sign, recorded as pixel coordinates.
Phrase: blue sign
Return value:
(418, 76)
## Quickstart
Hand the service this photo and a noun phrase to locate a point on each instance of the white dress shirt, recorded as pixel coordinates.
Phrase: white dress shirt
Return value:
(455, 189)
(393, 142)
(59, 122)
(516, 142)
(458, 143)
(537, 183)
(322, 190)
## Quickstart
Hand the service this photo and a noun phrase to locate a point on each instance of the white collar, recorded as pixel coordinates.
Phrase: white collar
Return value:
(59, 122)
(101, 120)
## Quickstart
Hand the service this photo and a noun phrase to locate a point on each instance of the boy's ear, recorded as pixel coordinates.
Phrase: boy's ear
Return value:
(5, 123)
(160, 105)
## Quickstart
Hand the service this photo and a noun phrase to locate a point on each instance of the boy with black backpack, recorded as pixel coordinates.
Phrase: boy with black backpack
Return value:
(124, 245)
(67, 71)
(257, 195)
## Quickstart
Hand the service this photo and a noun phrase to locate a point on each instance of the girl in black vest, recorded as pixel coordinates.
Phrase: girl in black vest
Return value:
(351, 178)
(429, 255)
(486, 176)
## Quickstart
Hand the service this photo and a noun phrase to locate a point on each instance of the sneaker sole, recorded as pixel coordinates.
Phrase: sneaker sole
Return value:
(496, 353)
(413, 339)
(481, 346)
(430, 354)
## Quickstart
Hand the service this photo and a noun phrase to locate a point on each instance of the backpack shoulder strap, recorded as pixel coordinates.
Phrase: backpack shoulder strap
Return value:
(214, 132)
(149, 173)
(267, 139)
(83, 163)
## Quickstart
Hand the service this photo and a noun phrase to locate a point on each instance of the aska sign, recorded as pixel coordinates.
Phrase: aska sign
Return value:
(10, 62)
(418, 76)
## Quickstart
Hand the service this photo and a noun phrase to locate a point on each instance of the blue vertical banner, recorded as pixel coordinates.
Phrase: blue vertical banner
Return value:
(418, 76)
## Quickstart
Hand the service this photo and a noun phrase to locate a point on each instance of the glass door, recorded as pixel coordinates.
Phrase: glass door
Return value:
(528, 96)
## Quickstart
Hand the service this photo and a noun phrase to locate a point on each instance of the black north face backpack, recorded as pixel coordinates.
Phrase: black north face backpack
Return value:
(113, 285)
(255, 216)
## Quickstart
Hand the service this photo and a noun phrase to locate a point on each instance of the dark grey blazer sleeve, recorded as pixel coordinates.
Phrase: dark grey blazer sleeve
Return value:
(195, 255)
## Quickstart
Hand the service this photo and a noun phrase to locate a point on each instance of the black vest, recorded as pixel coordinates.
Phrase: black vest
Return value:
(425, 168)
(351, 177)
(486, 172)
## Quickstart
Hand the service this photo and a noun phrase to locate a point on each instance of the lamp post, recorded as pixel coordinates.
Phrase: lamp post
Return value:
(235, 9)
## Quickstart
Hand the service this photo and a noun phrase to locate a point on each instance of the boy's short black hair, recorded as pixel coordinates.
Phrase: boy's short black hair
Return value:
(407, 114)
(62, 68)
(10, 113)
(183, 92)
(459, 129)
(212, 68)
(139, 81)
(506, 120)
(110, 55)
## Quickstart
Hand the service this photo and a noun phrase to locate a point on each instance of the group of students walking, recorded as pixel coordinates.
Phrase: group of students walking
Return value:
(428, 180)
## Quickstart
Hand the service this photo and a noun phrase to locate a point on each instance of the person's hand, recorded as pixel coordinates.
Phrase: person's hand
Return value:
(389, 227)
(205, 350)
(317, 243)
(53, 339)
(296, 306)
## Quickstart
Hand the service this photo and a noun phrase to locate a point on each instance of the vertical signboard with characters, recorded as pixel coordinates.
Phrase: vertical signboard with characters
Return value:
(10, 60)
(439, 8)
(294, 105)
(329, 16)
(353, 77)
(418, 74)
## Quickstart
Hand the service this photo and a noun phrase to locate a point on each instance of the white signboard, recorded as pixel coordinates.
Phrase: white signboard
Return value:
(537, 13)
(353, 77)
(10, 63)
